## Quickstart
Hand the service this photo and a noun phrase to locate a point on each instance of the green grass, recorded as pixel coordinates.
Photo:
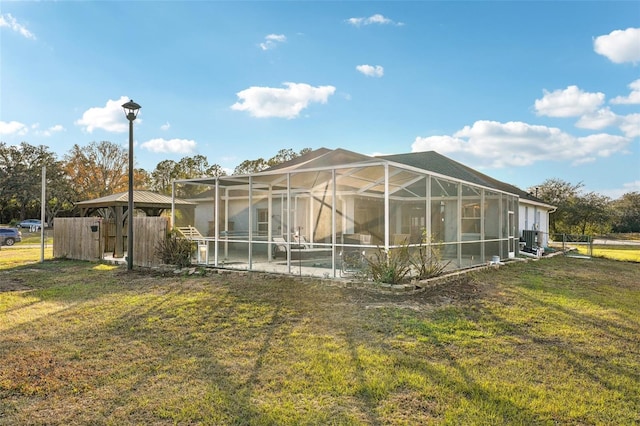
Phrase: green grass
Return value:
(17, 255)
(547, 342)
(626, 253)
(34, 237)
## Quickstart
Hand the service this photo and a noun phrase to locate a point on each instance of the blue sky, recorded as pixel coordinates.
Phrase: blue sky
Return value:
(522, 91)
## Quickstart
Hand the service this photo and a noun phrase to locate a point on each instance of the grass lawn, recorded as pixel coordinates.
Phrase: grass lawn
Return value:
(627, 253)
(547, 342)
(17, 256)
(34, 238)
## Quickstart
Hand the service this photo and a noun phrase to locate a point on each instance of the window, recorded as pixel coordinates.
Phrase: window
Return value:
(263, 221)
(471, 221)
(471, 213)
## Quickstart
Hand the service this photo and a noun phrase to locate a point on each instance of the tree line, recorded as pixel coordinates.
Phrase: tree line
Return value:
(96, 170)
(587, 213)
(101, 168)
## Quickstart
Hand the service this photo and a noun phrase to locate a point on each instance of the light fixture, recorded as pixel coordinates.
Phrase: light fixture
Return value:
(131, 112)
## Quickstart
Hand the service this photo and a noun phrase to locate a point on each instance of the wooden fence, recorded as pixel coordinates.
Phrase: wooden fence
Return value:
(88, 238)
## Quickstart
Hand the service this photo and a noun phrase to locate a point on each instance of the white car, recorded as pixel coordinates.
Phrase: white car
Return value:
(34, 224)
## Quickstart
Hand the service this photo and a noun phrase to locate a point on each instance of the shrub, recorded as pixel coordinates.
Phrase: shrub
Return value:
(174, 250)
(391, 266)
(427, 262)
(394, 265)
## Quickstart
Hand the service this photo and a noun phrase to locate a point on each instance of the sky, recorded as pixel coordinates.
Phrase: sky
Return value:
(522, 91)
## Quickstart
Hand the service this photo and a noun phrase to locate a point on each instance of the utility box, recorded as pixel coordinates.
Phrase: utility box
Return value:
(532, 240)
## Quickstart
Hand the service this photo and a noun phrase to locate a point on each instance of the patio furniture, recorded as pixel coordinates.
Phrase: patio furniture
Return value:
(189, 232)
(299, 249)
(280, 247)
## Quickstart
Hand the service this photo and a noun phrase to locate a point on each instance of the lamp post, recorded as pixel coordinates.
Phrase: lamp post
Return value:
(131, 112)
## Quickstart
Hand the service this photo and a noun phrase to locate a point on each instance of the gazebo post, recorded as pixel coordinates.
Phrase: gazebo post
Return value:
(118, 251)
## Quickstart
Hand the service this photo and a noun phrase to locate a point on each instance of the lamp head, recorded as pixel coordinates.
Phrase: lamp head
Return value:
(131, 110)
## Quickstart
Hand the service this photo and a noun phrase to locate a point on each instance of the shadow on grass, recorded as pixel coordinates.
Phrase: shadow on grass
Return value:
(607, 340)
(207, 350)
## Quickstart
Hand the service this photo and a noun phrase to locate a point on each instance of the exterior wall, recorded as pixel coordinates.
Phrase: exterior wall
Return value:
(204, 214)
(533, 217)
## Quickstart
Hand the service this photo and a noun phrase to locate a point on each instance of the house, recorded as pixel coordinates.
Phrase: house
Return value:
(323, 204)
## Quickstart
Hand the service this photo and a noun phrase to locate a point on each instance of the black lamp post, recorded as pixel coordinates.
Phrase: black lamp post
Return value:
(131, 112)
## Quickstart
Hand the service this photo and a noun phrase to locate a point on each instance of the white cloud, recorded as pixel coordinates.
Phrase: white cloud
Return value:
(276, 102)
(110, 117)
(20, 129)
(617, 193)
(495, 144)
(634, 96)
(619, 46)
(631, 125)
(570, 102)
(8, 21)
(370, 70)
(51, 130)
(13, 128)
(166, 126)
(272, 40)
(598, 120)
(628, 124)
(175, 146)
(373, 19)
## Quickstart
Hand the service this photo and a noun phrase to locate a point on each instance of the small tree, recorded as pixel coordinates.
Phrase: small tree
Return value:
(626, 211)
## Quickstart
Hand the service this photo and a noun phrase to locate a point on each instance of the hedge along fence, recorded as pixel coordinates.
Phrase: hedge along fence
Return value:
(87, 238)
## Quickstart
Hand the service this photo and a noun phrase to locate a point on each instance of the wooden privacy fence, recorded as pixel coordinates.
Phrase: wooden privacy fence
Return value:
(87, 238)
(147, 233)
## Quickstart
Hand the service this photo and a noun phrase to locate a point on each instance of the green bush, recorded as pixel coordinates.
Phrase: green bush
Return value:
(174, 250)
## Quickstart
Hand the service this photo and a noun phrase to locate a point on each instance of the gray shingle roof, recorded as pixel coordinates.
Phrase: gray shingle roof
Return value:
(429, 161)
(438, 163)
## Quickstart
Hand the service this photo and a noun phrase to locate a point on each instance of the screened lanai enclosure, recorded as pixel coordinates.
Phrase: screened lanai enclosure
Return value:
(326, 212)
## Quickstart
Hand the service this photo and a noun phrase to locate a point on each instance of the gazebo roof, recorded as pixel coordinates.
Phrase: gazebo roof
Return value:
(141, 199)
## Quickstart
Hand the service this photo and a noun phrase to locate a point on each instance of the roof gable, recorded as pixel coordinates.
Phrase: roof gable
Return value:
(322, 157)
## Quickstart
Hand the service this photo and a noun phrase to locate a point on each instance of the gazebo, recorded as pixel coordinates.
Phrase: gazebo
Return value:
(151, 203)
